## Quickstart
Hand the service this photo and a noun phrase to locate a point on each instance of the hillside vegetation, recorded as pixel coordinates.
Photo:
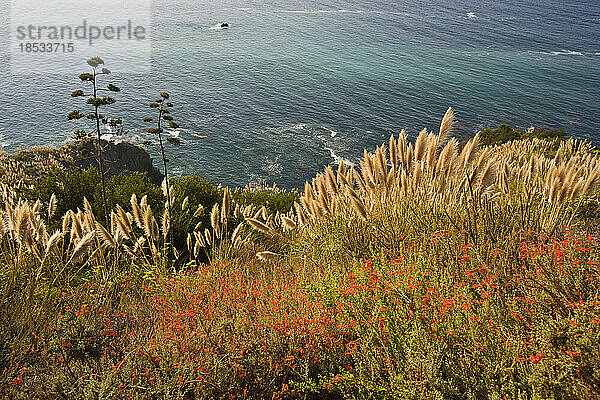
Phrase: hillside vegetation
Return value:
(429, 270)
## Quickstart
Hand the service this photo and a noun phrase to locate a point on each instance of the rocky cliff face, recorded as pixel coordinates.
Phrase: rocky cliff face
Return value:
(119, 158)
(39, 162)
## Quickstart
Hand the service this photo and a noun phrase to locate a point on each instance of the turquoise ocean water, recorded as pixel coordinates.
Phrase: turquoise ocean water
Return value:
(296, 85)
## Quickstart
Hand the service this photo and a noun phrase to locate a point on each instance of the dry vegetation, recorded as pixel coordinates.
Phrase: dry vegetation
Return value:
(431, 270)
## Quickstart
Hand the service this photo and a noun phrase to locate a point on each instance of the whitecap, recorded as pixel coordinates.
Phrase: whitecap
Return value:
(566, 53)
(273, 167)
(218, 27)
(201, 135)
(212, 118)
(298, 127)
(340, 11)
(332, 133)
(3, 142)
(471, 15)
(337, 159)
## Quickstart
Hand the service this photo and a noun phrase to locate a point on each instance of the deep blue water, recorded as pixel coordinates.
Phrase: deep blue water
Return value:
(294, 85)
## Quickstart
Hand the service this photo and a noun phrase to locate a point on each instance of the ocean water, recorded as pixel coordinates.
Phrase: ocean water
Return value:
(294, 86)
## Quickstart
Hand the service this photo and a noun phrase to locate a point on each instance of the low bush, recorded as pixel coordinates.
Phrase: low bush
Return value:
(275, 200)
(505, 133)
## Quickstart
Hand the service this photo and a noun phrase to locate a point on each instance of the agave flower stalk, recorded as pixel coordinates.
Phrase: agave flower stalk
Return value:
(164, 114)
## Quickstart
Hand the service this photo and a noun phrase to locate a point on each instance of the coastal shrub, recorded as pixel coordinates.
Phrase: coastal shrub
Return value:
(505, 133)
(199, 192)
(275, 200)
(119, 189)
(431, 320)
(70, 186)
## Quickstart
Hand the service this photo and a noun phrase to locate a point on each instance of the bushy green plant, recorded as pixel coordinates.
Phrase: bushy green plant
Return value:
(198, 192)
(70, 187)
(505, 133)
(274, 200)
(73, 185)
(119, 189)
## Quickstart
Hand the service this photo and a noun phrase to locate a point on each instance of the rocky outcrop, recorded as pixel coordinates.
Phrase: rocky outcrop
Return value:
(39, 162)
(119, 158)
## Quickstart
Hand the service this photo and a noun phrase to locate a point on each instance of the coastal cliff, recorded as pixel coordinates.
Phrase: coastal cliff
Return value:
(119, 158)
(31, 164)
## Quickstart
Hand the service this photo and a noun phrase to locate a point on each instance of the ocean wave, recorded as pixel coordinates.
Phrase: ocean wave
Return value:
(341, 11)
(563, 53)
(293, 128)
(3, 142)
(345, 11)
(332, 133)
(471, 15)
(212, 118)
(567, 53)
(198, 134)
(218, 27)
(272, 166)
(337, 159)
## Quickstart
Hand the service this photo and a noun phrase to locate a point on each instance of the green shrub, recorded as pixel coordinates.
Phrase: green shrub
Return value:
(120, 188)
(70, 187)
(200, 192)
(505, 133)
(273, 200)
(73, 185)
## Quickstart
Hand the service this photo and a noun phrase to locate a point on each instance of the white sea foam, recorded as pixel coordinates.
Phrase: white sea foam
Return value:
(272, 166)
(332, 133)
(563, 53)
(212, 118)
(471, 15)
(337, 159)
(201, 135)
(298, 127)
(218, 27)
(3, 142)
(341, 11)
(566, 53)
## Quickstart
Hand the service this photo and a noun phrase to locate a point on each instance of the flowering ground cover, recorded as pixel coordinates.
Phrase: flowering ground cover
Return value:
(436, 319)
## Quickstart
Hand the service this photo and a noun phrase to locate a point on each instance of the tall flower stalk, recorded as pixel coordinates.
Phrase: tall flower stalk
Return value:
(162, 107)
(96, 102)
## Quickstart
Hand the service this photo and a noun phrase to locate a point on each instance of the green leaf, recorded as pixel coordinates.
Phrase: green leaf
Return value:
(113, 88)
(77, 93)
(173, 125)
(164, 95)
(147, 119)
(153, 105)
(167, 117)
